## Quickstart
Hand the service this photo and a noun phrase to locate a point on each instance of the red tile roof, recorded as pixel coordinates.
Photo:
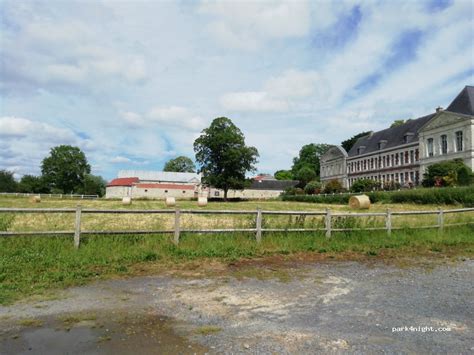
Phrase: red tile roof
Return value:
(165, 186)
(123, 181)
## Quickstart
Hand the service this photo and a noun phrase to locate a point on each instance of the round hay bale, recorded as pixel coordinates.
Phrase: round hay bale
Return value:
(170, 201)
(127, 200)
(359, 202)
(35, 199)
(202, 201)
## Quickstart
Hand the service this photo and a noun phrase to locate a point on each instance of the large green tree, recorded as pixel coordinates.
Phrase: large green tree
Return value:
(223, 157)
(65, 169)
(309, 157)
(180, 164)
(348, 143)
(7, 181)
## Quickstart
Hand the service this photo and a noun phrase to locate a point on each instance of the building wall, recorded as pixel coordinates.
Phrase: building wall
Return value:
(138, 192)
(447, 124)
(117, 191)
(401, 165)
(333, 166)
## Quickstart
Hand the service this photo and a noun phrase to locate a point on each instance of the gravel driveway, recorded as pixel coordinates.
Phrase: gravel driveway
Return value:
(330, 307)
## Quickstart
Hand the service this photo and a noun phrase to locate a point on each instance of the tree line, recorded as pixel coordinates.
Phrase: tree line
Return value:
(64, 171)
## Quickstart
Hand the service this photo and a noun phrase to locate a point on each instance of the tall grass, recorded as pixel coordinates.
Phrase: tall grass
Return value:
(32, 265)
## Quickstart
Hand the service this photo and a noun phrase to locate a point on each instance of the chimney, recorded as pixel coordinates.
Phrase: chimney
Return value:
(439, 108)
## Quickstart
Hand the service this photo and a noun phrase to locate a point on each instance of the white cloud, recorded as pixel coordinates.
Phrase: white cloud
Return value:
(246, 24)
(176, 116)
(28, 142)
(119, 160)
(132, 119)
(256, 101)
(295, 84)
(279, 93)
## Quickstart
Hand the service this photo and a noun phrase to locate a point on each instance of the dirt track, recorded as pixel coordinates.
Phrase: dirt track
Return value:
(304, 308)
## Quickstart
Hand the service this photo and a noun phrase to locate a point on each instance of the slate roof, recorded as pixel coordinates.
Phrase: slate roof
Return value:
(464, 102)
(162, 176)
(278, 185)
(394, 136)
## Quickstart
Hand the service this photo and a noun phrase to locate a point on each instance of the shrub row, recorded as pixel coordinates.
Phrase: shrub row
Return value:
(448, 195)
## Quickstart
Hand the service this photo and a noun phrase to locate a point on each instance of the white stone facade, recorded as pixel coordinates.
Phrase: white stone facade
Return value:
(447, 136)
(401, 154)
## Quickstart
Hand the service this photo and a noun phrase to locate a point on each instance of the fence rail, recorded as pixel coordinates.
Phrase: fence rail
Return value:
(61, 196)
(329, 226)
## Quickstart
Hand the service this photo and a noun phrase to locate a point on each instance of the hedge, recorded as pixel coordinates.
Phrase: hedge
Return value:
(446, 195)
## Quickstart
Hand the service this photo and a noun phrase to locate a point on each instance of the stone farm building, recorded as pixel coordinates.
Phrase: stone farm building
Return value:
(401, 154)
(159, 184)
(154, 184)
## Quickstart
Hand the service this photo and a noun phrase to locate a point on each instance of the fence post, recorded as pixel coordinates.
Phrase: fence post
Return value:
(77, 229)
(259, 225)
(328, 223)
(440, 219)
(388, 222)
(177, 214)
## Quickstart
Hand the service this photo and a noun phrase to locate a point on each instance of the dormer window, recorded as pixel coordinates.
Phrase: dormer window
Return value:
(407, 137)
(381, 144)
(361, 149)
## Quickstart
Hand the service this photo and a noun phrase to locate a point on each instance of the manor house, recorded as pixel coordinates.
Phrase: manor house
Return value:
(401, 154)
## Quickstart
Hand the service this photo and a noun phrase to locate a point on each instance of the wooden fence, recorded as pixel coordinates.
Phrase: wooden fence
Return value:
(60, 196)
(258, 230)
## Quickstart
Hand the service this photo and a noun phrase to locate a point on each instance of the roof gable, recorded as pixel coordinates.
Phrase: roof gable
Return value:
(464, 102)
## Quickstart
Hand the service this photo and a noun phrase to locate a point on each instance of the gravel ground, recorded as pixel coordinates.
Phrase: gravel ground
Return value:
(331, 307)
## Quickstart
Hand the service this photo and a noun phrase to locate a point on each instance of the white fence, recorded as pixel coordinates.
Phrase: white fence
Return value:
(61, 196)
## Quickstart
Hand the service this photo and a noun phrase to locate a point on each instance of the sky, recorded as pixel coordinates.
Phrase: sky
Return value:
(133, 83)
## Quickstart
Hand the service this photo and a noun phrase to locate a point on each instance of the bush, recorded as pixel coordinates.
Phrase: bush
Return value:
(365, 185)
(333, 186)
(446, 173)
(312, 187)
(448, 196)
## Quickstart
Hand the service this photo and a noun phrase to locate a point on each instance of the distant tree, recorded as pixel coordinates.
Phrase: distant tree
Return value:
(93, 185)
(33, 184)
(7, 181)
(180, 164)
(309, 156)
(65, 169)
(348, 143)
(305, 175)
(284, 175)
(223, 157)
(397, 123)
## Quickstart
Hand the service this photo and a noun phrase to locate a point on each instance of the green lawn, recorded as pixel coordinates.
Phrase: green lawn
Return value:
(34, 265)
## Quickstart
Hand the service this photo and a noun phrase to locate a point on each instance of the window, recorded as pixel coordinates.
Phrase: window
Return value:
(216, 193)
(429, 147)
(407, 160)
(412, 156)
(459, 145)
(444, 144)
(166, 191)
(146, 190)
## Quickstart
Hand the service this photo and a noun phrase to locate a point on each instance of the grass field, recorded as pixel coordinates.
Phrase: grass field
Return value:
(34, 265)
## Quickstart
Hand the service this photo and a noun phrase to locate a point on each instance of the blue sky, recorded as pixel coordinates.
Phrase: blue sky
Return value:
(132, 83)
